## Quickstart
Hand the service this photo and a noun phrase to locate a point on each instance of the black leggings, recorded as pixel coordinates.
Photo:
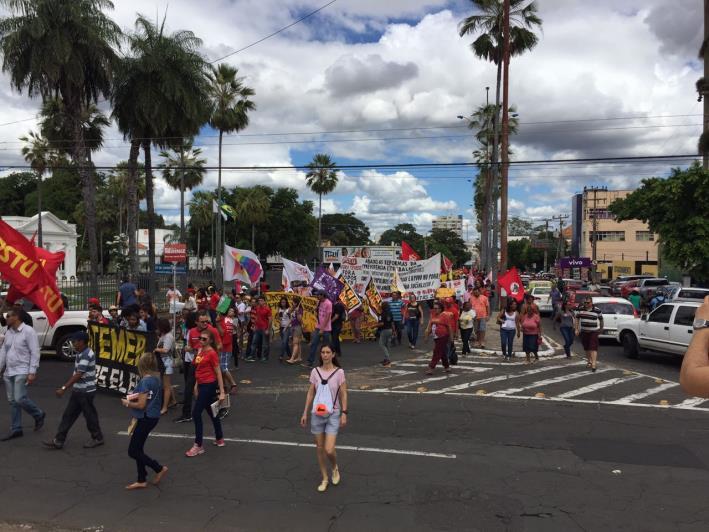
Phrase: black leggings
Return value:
(206, 395)
(137, 442)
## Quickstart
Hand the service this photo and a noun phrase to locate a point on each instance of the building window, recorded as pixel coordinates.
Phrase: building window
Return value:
(600, 214)
(608, 236)
(644, 236)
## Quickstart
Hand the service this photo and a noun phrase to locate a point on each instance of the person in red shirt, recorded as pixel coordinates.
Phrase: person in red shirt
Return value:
(439, 326)
(208, 379)
(263, 319)
(214, 297)
(201, 300)
(191, 349)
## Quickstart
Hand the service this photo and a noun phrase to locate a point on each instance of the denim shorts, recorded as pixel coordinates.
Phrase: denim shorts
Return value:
(224, 360)
(481, 324)
(328, 425)
(167, 361)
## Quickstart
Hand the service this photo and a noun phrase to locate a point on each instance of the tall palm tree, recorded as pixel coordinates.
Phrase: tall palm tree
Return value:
(37, 153)
(117, 184)
(201, 214)
(56, 125)
(252, 207)
(321, 179)
(488, 26)
(64, 49)
(230, 113)
(161, 95)
(183, 170)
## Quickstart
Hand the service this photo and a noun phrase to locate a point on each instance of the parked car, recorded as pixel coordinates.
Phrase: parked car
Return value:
(542, 297)
(617, 284)
(614, 310)
(667, 329)
(648, 287)
(576, 298)
(627, 288)
(573, 284)
(684, 293)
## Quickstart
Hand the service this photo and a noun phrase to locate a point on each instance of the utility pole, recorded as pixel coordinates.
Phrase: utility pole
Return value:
(560, 242)
(705, 54)
(546, 236)
(594, 225)
(505, 134)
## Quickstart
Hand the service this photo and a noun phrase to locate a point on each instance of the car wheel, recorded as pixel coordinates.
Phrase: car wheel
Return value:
(65, 350)
(630, 345)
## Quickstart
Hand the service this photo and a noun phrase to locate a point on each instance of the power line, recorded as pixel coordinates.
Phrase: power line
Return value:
(275, 32)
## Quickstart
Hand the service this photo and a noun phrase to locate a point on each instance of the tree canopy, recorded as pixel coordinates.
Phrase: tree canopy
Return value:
(677, 209)
(344, 229)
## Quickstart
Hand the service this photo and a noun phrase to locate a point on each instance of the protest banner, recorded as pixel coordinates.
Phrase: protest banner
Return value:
(117, 353)
(367, 328)
(309, 305)
(326, 282)
(420, 278)
(458, 287)
(349, 298)
(374, 299)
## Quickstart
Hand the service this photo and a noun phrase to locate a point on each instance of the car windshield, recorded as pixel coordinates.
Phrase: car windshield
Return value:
(656, 282)
(615, 308)
(541, 291)
(688, 293)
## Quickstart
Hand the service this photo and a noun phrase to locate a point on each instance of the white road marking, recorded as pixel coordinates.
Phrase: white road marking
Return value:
(495, 379)
(597, 386)
(301, 444)
(410, 384)
(474, 369)
(641, 395)
(545, 382)
(691, 402)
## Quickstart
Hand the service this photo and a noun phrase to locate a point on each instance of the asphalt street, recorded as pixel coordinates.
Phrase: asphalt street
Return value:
(492, 446)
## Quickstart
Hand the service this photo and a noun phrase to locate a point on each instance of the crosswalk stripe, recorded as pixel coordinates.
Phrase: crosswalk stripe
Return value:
(463, 386)
(691, 402)
(641, 395)
(410, 384)
(537, 384)
(473, 369)
(597, 386)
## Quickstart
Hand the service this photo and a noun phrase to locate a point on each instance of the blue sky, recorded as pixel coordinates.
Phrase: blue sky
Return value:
(602, 82)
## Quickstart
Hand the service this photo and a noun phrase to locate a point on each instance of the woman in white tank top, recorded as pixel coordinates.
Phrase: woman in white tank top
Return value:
(508, 320)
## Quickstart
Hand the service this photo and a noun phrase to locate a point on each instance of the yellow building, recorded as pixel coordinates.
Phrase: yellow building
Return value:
(629, 247)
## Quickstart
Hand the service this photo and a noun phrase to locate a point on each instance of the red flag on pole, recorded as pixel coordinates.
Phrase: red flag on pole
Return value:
(512, 283)
(447, 264)
(408, 253)
(24, 270)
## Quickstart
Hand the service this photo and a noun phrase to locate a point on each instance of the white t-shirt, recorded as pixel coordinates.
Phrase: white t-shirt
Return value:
(466, 319)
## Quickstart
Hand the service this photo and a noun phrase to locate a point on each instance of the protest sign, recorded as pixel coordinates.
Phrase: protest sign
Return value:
(420, 278)
(326, 282)
(309, 305)
(349, 298)
(458, 286)
(374, 299)
(117, 353)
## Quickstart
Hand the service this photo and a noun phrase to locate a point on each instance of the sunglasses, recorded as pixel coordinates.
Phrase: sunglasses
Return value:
(203, 321)
(204, 339)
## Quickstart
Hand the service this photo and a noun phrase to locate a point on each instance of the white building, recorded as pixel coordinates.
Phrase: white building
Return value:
(57, 235)
(452, 223)
(161, 236)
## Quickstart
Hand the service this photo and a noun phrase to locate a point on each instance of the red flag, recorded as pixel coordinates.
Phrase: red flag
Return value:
(512, 283)
(447, 264)
(23, 269)
(408, 253)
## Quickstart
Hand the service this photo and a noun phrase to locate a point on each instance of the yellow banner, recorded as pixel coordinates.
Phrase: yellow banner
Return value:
(373, 297)
(650, 269)
(349, 298)
(309, 305)
(623, 267)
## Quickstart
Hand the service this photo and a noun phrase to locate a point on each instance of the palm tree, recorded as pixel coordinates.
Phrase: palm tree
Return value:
(488, 25)
(321, 179)
(161, 95)
(201, 214)
(37, 153)
(56, 124)
(183, 170)
(252, 208)
(230, 113)
(64, 49)
(118, 181)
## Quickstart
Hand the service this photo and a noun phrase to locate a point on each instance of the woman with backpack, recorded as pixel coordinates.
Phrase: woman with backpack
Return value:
(145, 402)
(328, 396)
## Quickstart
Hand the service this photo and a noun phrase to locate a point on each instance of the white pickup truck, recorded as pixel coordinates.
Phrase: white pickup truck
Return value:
(667, 329)
(56, 338)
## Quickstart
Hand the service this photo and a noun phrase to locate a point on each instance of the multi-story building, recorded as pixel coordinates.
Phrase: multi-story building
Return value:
(452, 223)
(628, 247)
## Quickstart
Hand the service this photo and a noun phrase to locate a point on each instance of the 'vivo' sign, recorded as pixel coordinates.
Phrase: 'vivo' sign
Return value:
(573, 262)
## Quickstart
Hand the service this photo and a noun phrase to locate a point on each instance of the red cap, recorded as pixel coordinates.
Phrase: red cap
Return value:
(94, 301)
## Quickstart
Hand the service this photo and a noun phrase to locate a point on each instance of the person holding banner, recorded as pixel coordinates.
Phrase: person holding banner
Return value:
(19, 361)
(208, 379)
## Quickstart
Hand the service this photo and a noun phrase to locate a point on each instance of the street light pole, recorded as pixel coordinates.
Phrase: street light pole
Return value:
(505, 135)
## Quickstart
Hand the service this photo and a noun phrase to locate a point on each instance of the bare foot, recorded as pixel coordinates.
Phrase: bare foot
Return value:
(137, 486)
(158, 476)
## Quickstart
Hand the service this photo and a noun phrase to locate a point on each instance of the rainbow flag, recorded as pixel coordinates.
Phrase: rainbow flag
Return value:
(242, 265)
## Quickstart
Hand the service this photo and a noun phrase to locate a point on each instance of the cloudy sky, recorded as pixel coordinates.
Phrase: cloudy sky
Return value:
(376, 83)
